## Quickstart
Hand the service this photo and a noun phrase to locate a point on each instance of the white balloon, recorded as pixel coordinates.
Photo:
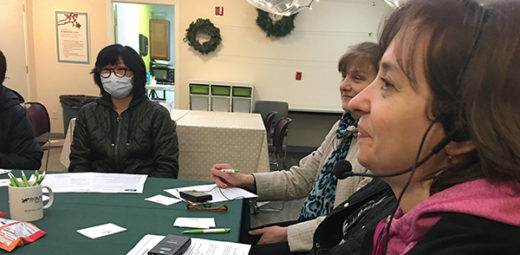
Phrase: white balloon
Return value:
(282, 7)
(395, 3)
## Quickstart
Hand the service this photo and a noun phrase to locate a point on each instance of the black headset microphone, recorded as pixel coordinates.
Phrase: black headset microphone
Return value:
(343, 168)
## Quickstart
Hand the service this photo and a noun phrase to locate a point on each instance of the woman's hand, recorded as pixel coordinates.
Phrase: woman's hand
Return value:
(224, 180)
(273, 234)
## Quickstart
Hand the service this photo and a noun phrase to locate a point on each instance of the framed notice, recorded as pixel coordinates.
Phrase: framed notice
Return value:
(72, 37)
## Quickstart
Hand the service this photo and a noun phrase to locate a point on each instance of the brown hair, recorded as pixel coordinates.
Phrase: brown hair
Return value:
(367, 52)
(491, 93)
(460, 33)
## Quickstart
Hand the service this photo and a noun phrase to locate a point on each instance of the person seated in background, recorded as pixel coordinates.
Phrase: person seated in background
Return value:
(123, 131)
(18, 148)
(313, 177)
(445, 107)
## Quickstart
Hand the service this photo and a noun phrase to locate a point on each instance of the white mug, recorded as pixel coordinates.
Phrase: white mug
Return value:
(25, 203)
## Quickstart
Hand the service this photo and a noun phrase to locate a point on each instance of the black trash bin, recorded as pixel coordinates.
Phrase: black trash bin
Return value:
(71, 105)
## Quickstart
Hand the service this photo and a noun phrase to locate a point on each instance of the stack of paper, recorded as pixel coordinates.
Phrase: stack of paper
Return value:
(198, 246)
(95, 182)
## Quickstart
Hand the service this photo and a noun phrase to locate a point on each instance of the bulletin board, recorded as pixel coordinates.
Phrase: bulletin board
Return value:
(72, 37)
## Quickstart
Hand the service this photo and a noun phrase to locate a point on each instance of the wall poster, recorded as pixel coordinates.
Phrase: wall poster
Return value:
(72, 37)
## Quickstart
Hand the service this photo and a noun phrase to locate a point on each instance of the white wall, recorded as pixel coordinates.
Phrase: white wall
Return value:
(12, 44)
(246, 54)
(50, 79)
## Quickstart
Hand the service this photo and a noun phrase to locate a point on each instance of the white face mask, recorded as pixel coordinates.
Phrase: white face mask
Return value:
(116, 86)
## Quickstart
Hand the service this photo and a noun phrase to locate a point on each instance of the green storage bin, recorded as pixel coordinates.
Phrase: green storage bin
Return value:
(220, 90)
(242, 92)
(199, 89)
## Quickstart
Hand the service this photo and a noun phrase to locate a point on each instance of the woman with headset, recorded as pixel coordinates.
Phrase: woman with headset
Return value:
(443, 112)
(313, 176)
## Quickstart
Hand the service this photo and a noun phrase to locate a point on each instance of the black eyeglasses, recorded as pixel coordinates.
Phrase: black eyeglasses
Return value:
(118, 72)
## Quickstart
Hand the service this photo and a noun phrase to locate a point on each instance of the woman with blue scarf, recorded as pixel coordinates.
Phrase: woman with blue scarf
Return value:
(313, 177)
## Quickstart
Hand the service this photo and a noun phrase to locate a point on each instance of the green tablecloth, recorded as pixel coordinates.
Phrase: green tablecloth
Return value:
(73, 211)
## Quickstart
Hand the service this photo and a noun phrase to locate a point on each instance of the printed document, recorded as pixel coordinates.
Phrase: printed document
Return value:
(95, 182)
(198, 247)
(217, 193)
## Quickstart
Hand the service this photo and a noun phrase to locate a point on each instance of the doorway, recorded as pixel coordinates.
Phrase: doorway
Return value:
(149, 30)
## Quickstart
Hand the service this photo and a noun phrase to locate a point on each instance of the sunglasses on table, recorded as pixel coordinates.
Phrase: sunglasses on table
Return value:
(207, 206)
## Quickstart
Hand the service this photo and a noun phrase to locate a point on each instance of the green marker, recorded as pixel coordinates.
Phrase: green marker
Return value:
(24, 179)
(42, 176)
(207, 231)
(13, 179)
(231, 171)
(36, 176)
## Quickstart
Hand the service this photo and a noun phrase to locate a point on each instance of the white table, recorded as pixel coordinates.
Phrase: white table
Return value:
(164, 88)
(206, 138)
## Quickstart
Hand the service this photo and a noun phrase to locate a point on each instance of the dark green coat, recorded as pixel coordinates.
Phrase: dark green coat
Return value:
(142, 140)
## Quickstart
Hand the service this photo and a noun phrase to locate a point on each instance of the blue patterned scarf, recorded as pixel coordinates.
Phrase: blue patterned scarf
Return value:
(321, 198)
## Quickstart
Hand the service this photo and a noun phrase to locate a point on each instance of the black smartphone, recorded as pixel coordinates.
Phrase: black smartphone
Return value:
(195, 196)
(171, 245)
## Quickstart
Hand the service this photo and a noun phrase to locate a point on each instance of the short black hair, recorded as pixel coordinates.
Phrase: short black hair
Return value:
(110, 55)
(3, 67)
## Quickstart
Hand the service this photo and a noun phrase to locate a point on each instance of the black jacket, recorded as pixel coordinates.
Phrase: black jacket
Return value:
(142, 140)
(18, 148)
(363, 211)
(458, 233)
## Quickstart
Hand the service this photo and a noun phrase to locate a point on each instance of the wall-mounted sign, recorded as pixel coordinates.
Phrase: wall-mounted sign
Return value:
(72, 37)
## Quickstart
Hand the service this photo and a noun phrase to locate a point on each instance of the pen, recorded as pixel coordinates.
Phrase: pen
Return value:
(13, 179)
(207, 231)
(24, 179)
(12, 182)
(229, 170)
(42, 176)
(36, 176)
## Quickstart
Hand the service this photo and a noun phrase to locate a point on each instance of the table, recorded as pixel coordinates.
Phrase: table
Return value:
(164, 88)
(206, 138)
(73, 211)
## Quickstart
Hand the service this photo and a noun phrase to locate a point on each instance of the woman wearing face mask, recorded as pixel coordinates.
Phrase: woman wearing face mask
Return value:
(445, 106)
(123, 131)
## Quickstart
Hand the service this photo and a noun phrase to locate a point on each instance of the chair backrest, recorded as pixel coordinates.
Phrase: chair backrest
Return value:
(280, 131)
(268, 123)
(265, 107)
(39, 118)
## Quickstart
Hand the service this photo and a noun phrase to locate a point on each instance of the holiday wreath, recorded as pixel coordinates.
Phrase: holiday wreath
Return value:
(203, 26)
(275, 25)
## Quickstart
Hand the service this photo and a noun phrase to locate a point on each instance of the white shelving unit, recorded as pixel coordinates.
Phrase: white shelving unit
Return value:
(221, 96)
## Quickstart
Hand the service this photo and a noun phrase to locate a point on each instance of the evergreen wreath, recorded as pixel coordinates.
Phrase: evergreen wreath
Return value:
(280, 26)
(203, 26)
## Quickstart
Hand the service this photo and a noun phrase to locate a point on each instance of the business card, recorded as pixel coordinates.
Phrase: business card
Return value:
(101, 230)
